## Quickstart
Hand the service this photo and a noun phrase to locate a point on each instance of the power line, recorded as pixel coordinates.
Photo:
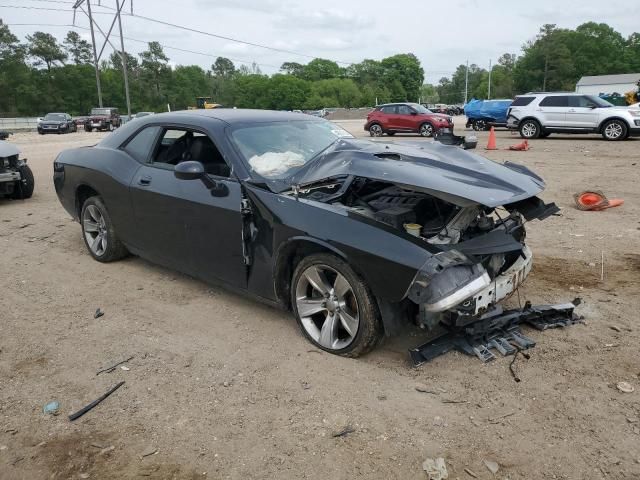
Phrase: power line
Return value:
(68, 25)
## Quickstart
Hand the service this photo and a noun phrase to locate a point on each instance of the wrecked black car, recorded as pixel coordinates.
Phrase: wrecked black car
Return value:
(357, 238)
(16, 178)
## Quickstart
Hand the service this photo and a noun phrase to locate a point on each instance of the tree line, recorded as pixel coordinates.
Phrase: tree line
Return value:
(554, 60)
(43, 75)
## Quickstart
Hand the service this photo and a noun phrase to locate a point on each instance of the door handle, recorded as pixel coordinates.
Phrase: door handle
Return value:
(571, 110)
(144, 180)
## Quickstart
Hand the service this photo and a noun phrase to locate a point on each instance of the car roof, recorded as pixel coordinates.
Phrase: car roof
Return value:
(236, 115)
(56, 113)
(551, 94)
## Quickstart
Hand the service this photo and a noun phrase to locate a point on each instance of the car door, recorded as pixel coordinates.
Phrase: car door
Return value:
(406, 118)
(582, 112)
(180, 223)
(390, 117)
(553, 111)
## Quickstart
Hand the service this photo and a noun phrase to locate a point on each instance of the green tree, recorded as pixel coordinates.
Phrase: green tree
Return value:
(404, 68)
(132, 62)
(321, 69)
(286, 92)
(223, 68)
(338, 92)
(44, 48)
(429, 94)
(154, 65)
(77, 48)
(293, 68)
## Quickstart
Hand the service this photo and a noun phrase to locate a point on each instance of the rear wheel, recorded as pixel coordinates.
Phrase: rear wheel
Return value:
(333, 307)
(426, 130)
(614, 130)
(479, 125)
(375, 130)
(87, 128)
(98, 232)
(24, 188)
(529, 129)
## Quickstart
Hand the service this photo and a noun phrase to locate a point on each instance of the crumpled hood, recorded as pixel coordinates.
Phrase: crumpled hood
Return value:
(8, 149)
(446, 172)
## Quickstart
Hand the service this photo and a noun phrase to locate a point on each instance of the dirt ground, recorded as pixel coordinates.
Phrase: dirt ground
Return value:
(225, 387)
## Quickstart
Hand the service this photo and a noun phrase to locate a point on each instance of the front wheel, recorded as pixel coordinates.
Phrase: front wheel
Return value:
(479, 125)
(426, 130)
(375, 130)
(24, 188)
(87, 129)
(529, 129)
(333, 307)
(98, 232)
(614, 130)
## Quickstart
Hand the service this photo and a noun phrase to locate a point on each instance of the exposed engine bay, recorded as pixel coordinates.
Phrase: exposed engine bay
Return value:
(479, 257)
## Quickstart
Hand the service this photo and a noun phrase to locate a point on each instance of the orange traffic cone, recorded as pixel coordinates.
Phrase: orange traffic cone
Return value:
(524, 146)
(595, 200)
(491, 144)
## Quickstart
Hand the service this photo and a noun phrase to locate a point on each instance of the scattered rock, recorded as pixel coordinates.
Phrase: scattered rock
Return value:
(382, 397)
(425, 389)
(591, 264)
(438, 421)
(125, 368)
(98, 313)
(436, 469)
(344, 432)
(225, 384)
(471, 473)
(84, 475)
(616, 328)
(625, 387)
(3, 447)
(104, 451)
(492, 466)
(632, 419)
(52, 408)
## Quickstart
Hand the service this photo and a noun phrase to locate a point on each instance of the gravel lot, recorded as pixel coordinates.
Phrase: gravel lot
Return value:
(224, 387)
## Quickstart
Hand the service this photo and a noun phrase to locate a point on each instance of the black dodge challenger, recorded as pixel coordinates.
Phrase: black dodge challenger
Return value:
(357, 238)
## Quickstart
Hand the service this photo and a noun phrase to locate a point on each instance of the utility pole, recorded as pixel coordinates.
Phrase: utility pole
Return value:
(124, 58)
(466, 84)
(489, 89)
(93, 44)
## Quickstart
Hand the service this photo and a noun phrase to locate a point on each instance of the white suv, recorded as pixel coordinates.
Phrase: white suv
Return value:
(537, 115)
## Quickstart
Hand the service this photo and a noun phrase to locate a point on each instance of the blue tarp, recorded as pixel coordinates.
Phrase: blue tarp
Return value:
(491, 110)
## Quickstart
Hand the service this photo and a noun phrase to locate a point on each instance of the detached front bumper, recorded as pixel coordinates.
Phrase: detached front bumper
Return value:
(10, 177)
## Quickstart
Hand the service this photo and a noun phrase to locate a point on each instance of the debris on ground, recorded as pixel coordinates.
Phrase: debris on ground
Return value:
(625, 387)
(149, 451)
(125, 368)
(471, 473)
(436, 468)
(344, 432)
(513, 361)
(595, 200)
(98, 313)
(520, 147)
(52, 408)
(106, 450)
(113, 367)
(492, 466)
(500, 417)
(84, 410)
(423, 389)
(615, 328)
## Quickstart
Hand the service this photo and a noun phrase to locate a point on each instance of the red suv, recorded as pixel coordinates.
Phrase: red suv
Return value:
(405, 117)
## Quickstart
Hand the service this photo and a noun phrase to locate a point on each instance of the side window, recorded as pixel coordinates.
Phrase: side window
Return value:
(555, 101)
(140, 146)
(404, 110)
(580, 101)
(389, 109)
(180, 145)
(522, 101)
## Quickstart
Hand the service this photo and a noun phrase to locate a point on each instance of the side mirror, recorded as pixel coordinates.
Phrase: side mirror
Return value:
(593, 106)
(190, 170)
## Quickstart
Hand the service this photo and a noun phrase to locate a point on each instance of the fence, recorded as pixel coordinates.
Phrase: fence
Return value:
(19, 124)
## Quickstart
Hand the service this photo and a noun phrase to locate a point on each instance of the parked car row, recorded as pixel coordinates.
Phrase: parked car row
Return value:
(100, 119)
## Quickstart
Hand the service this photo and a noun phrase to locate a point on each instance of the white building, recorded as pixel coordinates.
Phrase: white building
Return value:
(608, 84)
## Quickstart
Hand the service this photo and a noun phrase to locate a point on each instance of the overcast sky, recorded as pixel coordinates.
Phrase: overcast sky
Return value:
(441, 34)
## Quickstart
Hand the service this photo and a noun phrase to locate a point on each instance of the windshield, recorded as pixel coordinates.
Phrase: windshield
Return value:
(100, 111)
(419, 108)
(599, 101)
(55, 117)
(275, 150)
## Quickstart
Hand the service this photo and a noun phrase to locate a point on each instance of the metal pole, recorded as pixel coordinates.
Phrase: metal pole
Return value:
(95, 56)
(124, 60)
(466, 85)
(489, 89)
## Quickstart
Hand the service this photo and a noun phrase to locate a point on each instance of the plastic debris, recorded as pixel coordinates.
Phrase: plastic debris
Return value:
(625, 387)
(344, 432)
(436, 468)
(52, 408)
(595, 200)
(98, 313)
(520, 147)
(492, 466)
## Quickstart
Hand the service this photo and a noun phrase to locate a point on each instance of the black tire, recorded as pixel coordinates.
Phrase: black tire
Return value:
(375, 130)
(115, 249)
(87, 128)
(426, 130)
(529, 129)
(615, 130)
(24, 188)
(545, 134)
(479, 125)
(370, 331)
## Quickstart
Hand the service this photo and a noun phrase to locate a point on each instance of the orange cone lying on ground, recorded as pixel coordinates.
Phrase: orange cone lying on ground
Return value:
(491, 144)
(524, 146)
(595, 200)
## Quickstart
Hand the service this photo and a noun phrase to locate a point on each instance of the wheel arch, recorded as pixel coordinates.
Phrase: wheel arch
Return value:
(83, 191)
(529, 117)
(607, 120)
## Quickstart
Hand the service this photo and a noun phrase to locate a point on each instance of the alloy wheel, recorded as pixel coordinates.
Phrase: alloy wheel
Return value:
(613, 131)
(327, 307)
(529, 130)
(95, 230)
(375, 130)
(426, 130)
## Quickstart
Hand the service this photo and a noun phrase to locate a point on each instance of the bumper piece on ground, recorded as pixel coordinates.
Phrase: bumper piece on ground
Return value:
(498, 330)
